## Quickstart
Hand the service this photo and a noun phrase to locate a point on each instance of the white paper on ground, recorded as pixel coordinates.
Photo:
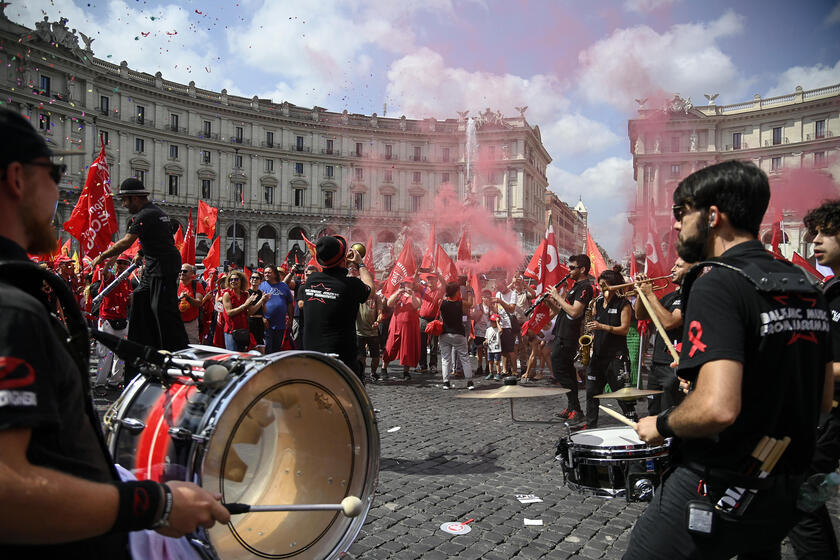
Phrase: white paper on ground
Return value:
(533, 522)
(528, 498)
(394, 429)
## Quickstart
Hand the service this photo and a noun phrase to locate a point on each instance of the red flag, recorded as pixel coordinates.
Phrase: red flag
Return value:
(595, 256)
(369, 258)
(445, 266)
(179, 238)
(132, 251)
(551, 271)
(538, 319)
(429, 262)
(655, 265)
(188, 246)
(634, 267)
(533, 268)
(311, 248)
(405, 267)
(207, 216)
(464, 250)
(777, 236)
(809, 268)
(212, 258)
(475, 284)
(65, 249)
(93, 221)
(247, 272)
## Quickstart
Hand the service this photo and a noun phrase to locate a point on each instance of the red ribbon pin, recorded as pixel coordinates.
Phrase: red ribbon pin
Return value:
(695, 333)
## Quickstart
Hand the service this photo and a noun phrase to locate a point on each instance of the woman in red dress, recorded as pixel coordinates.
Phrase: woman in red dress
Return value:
(404, 332)
(238, 305)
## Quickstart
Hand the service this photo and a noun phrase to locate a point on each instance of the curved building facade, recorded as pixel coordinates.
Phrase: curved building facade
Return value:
(273, 169)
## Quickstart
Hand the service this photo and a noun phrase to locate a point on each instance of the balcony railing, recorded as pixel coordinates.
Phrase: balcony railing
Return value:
(104, 110)
(296, 148)
(235, 140)
(330, 152)
(143, 121)
(208, 135)
(417, 158)
(356, 154)
(178, 129)
(266, 144)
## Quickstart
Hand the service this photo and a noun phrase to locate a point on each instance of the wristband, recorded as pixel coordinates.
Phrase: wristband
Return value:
(662, 424)
(167, 509)
(361, 265)
(138, 506)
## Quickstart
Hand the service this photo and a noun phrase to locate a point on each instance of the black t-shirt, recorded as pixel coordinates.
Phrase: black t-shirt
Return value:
(782, 341)
(566, 328)
(832, 294)
(452, 316)
(607, 345)
(331, 303)
(42, 389)
(661, 355)
(151, 225)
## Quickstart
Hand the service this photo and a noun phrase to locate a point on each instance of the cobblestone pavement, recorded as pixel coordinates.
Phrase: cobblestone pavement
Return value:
(455, 460)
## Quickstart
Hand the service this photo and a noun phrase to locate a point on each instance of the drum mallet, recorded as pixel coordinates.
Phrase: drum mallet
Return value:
(618, 416)
(351, 506)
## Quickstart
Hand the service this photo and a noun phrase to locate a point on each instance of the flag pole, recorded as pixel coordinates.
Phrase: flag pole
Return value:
(233, 247)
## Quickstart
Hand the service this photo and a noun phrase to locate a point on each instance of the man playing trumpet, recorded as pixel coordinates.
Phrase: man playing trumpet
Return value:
(669, 312)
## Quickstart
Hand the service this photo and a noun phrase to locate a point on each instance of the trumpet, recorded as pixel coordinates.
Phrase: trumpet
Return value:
(624, 289)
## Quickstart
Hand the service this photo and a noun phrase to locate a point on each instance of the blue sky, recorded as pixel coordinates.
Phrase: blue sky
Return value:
(577, 65)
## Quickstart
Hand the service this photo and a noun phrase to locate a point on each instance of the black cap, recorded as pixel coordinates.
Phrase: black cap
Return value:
(132, 187)
(20, 142)
(329, 250)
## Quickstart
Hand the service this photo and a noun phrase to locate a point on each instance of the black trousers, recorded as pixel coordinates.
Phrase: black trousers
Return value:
(428, 356)
(563, 365)
(661, 534)
(155, 320)
(663, 377)
(813, 535)
(598, 374)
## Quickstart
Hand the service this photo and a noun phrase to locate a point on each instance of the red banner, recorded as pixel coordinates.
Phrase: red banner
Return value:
(207, 216)
(429, 262)
(809, 268)
(188, 245)
(595, 256)
(551, 271)
(212, 258)
(446, 266)
(464, 250)
(405, 268)
(533, 268)
(538, 319)
(369, 258)
(179, 238)
(93, 221)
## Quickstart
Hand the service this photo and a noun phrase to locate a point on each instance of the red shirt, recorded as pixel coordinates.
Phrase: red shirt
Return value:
(237, 321)
(430, 302)
(191, 313)
(115, 304)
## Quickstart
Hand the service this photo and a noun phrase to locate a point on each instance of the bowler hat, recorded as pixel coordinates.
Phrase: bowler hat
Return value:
(330, 250)
(132, 187)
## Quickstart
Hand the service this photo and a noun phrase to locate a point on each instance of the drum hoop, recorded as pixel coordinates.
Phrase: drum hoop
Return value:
(587, 460)
(119, 408)
(221, 403)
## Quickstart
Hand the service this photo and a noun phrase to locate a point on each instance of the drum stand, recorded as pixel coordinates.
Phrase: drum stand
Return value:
(520, 421)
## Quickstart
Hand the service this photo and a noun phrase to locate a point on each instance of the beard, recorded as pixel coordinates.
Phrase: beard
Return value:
(41, 234)
(693, 249)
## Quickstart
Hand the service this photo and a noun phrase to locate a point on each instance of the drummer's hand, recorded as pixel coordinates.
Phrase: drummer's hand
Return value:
(192, 507)
(646, 428)
(685, 385)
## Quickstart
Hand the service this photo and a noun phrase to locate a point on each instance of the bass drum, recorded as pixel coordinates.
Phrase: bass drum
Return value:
(288, 428)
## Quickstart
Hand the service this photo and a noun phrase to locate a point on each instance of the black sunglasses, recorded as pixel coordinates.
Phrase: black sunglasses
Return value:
(573, 267)
(680, 210)
(56, 170)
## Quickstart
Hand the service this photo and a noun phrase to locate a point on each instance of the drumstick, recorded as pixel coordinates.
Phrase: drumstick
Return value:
(618, 416)
(351, 506)
(660, 329)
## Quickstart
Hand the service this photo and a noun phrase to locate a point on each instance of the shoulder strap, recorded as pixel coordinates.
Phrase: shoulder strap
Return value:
(792, 280)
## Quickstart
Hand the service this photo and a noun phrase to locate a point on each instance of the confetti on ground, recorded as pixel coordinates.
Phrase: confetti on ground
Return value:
(394, 429)
(533, 522)
(528, 498)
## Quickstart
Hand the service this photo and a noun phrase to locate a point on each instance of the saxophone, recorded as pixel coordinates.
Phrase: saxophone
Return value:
(585, 340)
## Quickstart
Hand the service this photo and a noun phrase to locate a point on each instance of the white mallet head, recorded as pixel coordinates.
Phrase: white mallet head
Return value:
(351, 506)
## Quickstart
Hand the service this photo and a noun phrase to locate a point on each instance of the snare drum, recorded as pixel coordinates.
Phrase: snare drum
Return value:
(289, 428)
(612, 462)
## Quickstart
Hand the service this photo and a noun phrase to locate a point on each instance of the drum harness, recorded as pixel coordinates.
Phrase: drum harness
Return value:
(700, 513)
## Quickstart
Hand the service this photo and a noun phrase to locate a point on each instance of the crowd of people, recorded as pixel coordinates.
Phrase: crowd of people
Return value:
(756, 362)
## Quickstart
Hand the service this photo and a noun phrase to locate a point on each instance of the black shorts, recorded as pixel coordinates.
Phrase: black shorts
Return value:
(508, 340)
(479, 341)
(372, 344)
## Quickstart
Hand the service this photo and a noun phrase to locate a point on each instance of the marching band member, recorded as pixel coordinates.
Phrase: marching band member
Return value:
(757, 354)
(669, 312)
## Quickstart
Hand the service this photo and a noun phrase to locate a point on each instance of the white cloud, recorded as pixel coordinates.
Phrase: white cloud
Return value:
(809, 77)
(640, 62)
(421, 85)
(574, 134)
(607, 190)
(644, 6)
(834, 16)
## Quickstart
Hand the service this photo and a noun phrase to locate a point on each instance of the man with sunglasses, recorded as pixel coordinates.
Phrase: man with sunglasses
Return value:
(62, 497)
(756, 352)
(155, 319)
(570, 307)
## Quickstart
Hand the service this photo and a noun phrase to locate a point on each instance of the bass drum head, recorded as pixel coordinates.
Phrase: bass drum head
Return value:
(300, 430)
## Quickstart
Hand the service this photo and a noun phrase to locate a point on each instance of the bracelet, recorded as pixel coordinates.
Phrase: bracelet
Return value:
(662, 424)
(138, 505)
(167, 509)
(361, 265)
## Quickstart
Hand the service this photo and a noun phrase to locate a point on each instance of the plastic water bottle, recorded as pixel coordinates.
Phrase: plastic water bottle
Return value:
(818, 489)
